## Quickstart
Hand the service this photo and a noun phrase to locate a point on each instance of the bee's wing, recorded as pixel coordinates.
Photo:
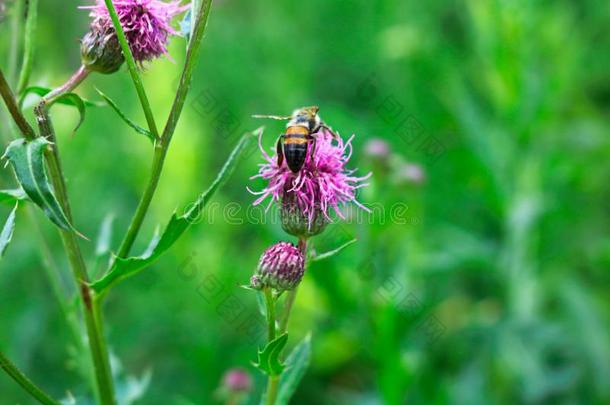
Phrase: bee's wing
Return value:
(272, 117)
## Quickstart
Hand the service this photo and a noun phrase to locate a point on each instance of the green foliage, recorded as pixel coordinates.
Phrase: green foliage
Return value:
(7, 231)
(136, 127)
(269, 357)
(297, 363)
(27, 161)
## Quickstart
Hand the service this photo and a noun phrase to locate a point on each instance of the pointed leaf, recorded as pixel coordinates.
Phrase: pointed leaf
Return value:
(177, 225)
(43, 91)
(269, 358)
(296, 366)
(74, 100)
(28, 163)
(7, 231)
(333, 252)
(124, 117)
(12, 196)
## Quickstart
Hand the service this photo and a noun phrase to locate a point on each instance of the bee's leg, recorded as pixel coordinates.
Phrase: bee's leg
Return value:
(329, 129)
(312, 149)
(280, 151)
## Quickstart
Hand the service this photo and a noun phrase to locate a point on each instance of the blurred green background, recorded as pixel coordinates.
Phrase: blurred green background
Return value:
(484, 282)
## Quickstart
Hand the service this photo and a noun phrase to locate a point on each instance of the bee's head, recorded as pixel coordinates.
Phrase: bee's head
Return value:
(308, 115)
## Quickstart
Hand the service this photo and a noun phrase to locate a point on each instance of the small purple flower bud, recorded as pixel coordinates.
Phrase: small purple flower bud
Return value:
(100, 50)
(409, 173)
(281, 267)
(237, 380)
(377, 148)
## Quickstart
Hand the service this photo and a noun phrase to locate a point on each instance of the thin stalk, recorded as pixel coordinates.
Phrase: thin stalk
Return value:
(133, 69)
(28, 45)
(290, 298)
(97, 345)
(27, 384)
(272, 384)
(72, 83)
(13, 56)
(11, 105)
(162, 146)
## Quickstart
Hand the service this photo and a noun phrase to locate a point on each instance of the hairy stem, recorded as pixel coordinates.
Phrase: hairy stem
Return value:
(162, 146)
(13, 109)
(28, 45)
(97, 345)
(72, 83)
(272, 384)
(133, 69)
(25, 382)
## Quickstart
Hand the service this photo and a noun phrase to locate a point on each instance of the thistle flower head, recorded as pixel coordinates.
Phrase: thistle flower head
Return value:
(280, 267)
(146, 24)
(321, 187)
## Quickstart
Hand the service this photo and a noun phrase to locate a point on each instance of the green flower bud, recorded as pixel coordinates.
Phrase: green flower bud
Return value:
(281, 267)
(296, 222)
(101, 51)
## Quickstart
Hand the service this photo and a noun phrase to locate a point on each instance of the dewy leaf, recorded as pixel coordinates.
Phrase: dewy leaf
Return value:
(269, 358)
(43, 91)
(125, 267)
(12, 196)
(124, 117)
(28, 163)
(7, 231)
(333, 252)
(296, 365)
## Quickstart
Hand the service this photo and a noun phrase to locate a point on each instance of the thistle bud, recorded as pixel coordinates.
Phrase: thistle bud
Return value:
(298, 223)
(281, 267)
(237, 380)
(100, 50)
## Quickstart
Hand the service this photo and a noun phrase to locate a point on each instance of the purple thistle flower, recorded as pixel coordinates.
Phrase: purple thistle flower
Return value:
(146, 24)
(237, 380)
(280, 267)
(322, 185)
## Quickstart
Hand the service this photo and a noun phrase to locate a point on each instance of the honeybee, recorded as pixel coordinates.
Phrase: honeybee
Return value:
(293, 145)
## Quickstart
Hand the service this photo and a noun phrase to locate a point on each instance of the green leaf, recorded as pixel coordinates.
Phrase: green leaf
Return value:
(333, 252)
(296, 365)
(269, 358)
(7, 231)
(28, 163)
(177, 225)
(43, 91)
(186, 25)
(12, 196)
(74, 100)
(124, 117)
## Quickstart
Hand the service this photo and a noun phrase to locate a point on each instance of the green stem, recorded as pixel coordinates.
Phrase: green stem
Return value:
(133, 69)
(28, 46)
(97, 345)
(25, 382)
(72, 83)
(13, 109)
(290, 298)
(162, 146)
(13, 56)
(272, 384)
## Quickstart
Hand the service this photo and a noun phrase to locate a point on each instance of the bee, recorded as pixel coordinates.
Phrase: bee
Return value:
(293, 145)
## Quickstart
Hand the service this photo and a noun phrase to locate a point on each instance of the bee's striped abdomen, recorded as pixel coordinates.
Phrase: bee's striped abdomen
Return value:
(295, 147)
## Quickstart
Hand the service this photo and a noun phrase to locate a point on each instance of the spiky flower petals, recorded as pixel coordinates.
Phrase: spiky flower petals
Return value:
(147, 24)
(321, 186)
(281, 267)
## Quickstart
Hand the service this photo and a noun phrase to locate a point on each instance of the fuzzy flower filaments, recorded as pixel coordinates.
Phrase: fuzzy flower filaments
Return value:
(147, 24)
(321, 187)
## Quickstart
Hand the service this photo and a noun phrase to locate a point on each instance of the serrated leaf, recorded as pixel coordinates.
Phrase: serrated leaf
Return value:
(333, 252)
(12, 196)
(7, 231)
(269, 358)
(177, 225)
(43, 91)
(28, 163)
(125, 119)
(296, 366)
